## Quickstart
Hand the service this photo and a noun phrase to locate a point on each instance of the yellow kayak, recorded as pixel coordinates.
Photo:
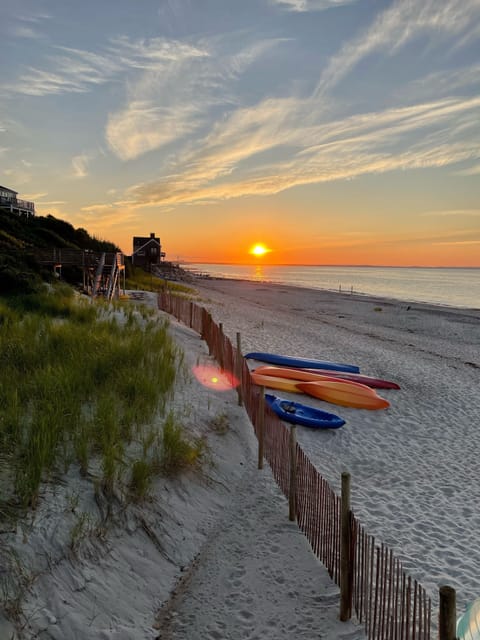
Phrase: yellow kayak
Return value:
(272, 382)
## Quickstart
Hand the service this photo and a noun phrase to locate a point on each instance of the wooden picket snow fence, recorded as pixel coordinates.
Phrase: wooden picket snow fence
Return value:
(389, 604)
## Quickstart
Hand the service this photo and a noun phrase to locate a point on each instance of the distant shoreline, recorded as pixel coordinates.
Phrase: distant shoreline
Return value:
(366, 297)
(457, 289)
(328, 266)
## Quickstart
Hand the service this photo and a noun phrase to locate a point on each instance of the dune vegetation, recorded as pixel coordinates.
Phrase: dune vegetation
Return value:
(85, 384)
(137, 278)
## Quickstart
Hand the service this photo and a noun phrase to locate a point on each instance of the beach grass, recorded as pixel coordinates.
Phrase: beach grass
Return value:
(177, 451)
(80, 381)
(140, 279)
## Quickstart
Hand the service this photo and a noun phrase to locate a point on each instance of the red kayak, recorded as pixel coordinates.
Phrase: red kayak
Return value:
(374, 383)
(302, 375)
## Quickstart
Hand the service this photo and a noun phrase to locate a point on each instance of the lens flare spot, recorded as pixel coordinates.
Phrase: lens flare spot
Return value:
(214, 378)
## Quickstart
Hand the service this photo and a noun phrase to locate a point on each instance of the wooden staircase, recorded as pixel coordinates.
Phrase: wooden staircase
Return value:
(101, 271)
(107, 276)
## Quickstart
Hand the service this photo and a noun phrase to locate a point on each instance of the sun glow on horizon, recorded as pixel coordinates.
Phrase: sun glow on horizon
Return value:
(259, 250)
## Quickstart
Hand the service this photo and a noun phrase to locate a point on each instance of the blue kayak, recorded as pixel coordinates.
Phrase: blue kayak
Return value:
(301, 363)
(302, 414)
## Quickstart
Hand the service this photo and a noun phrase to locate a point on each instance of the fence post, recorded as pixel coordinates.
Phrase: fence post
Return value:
(261, 426)
(292, 494)
(190, 324)
(447, 615)
(203, 331)
(239, 371)
(346, 568)
(220, 343)
(209, 333)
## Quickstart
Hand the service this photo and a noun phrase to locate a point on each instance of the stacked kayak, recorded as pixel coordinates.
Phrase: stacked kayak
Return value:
(332, 382)
(342, 392)
(370, 381)
(345, 393)
(311, 375)
(274, 382)
(288, 361)
(301, 414)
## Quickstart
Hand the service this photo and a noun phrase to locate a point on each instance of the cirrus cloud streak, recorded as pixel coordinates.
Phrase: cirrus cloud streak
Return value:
(234, 159)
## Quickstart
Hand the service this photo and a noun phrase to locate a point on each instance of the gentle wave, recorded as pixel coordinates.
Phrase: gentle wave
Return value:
(442, 286)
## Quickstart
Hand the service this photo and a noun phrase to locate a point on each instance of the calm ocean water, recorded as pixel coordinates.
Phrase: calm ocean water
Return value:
(451, 287)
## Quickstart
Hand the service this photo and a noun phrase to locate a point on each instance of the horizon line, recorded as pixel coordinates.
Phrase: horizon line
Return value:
(299, 264)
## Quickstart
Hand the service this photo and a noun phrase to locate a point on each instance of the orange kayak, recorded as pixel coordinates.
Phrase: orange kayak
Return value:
(310, 375)
(298, 374)
(344, 393)
(272, 382)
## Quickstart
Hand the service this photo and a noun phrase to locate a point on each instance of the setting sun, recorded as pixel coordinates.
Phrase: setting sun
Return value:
(259, 250)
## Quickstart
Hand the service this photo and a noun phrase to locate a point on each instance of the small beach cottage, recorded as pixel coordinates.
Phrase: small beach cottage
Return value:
(10, 202)
(147, 251)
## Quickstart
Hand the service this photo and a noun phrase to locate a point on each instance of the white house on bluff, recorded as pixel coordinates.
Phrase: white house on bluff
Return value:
(10, 202)
(146, 251)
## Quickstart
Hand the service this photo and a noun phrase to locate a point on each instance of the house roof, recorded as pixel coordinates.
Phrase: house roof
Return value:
(148, 240)
(7, 189)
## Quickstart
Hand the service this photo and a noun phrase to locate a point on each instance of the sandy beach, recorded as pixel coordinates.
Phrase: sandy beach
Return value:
(212, 554)
(414, 466)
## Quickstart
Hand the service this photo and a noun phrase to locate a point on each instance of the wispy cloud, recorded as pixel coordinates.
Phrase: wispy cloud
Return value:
(404, 21)
(458, 242)
(97, 217)
(442, 83)
(310, 5)
(26, 32)
(68, 70)
(181, 99)
(454, 212)
(18, 175)
(235, 159)
(141, 127)
(80, 165)
(26, 25)
(470, 171)
(35, 196)
(33, 16)
(48, 203)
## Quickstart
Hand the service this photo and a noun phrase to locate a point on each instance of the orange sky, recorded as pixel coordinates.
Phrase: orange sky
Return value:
(334, 236)
(335, 132)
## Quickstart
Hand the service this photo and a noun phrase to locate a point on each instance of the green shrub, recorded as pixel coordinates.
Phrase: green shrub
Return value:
(177, 451)
(140, 479)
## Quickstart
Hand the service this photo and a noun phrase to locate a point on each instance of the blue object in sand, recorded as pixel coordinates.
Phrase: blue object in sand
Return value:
(303, 414)
(302, 363)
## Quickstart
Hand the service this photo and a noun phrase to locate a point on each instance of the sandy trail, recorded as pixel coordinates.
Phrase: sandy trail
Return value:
(257, 578)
